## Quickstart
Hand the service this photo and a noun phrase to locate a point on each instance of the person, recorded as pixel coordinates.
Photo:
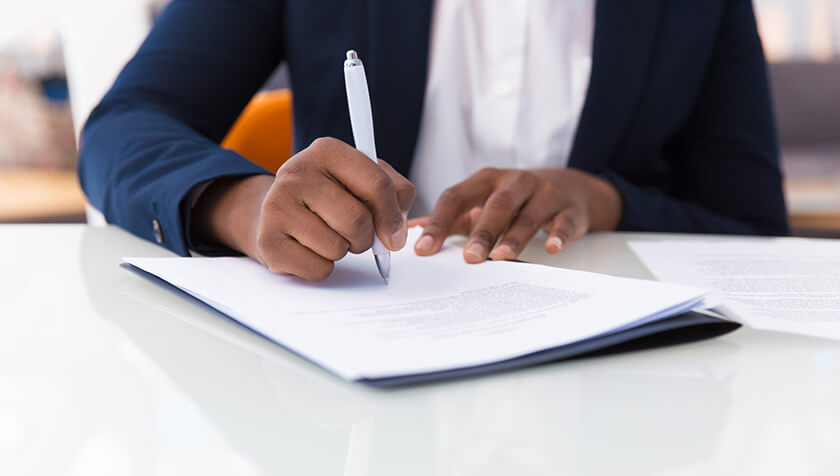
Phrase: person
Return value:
(509, 116)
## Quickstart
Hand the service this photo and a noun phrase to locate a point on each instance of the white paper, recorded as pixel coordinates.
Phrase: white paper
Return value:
(786, 285)
(437, 313)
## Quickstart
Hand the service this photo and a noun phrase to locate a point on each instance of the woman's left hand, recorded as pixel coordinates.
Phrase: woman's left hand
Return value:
(509, 206)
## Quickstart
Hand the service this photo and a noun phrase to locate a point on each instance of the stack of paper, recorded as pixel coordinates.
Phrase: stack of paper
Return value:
(787, 285)
(437, 314)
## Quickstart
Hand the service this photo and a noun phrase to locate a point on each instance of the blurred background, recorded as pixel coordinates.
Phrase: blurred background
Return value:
(57, 58)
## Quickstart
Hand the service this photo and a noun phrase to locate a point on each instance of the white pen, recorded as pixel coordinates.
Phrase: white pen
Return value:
(361, 120)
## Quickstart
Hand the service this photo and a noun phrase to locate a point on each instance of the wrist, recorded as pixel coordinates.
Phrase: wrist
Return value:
(605, 204)
(228, 211)
(601, 199)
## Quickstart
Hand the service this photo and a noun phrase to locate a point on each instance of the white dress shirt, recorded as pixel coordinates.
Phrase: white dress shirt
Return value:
(506, 85)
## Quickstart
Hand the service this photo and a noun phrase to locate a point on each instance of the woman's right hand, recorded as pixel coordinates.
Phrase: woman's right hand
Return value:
(324, 201)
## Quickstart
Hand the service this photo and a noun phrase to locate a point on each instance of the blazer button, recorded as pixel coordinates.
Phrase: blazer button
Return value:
(157, 230)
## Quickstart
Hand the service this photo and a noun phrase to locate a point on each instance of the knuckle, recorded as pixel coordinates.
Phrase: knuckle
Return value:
(434, 226)
(487, 172)
(337, 248)
(292, 171)
(564, 227)
(358, 220)
(567, 222)
(318, 271)
(407, 190)
(387, 168)
(266, 241)
(382, 185)
(549, 191)
(545, 186)
(359, 231)
(326, 149)
(500, 200)
(451, 197)
(361, 243)
(324, 142)
(395, 221)
(271, 204)
(273, 260)
(273, 249)
(513, 242)
(522, 177)
(272, 210)
(527, 221)
(484, 236)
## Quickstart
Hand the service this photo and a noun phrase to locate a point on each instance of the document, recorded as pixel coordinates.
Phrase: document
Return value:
(438, 313)
(787, 285)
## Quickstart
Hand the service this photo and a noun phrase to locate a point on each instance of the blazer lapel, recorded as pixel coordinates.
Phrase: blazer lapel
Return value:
(397, 56)
(625, 36)
(396, 65)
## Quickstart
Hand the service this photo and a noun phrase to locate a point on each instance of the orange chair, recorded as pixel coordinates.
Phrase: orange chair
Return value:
(263, 132)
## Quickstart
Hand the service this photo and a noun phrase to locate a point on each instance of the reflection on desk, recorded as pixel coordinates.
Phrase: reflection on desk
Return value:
(114, 374)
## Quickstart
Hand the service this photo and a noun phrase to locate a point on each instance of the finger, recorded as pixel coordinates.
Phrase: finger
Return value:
(405, 196)
(406, 192)
(451, 205)
(466, 222)
(462, 226)
(342, 212)
(568, 225)
(498, 212)
(367, 181)
(311, 231)
(282, 254)
(420, 221)
(535, 214)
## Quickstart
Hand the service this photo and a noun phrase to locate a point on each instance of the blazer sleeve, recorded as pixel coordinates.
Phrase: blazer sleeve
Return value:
(724, 163)
(155, 135)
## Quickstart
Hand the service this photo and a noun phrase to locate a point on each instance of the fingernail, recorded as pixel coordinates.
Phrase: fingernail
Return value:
(398, 238)
(424, 244)
(503, 252)
(556, 242)
(477, 250)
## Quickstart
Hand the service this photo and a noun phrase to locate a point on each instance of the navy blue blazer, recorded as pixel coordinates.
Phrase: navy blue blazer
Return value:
(678, 113)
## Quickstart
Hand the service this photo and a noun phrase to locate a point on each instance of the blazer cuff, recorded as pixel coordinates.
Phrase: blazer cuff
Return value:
(633, 217)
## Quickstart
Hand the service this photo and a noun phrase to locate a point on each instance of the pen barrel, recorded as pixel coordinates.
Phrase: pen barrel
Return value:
(361, 121)
(361, 118)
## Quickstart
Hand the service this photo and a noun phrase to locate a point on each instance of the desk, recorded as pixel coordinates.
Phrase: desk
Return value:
(102, 372)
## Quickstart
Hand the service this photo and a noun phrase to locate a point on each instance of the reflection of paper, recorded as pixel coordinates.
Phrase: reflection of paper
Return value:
(438, 312)
(783, 285)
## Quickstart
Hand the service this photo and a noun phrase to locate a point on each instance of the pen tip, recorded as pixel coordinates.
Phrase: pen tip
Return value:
(383, 264)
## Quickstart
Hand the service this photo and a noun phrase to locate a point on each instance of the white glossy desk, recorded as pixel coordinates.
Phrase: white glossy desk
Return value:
(102, 372)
